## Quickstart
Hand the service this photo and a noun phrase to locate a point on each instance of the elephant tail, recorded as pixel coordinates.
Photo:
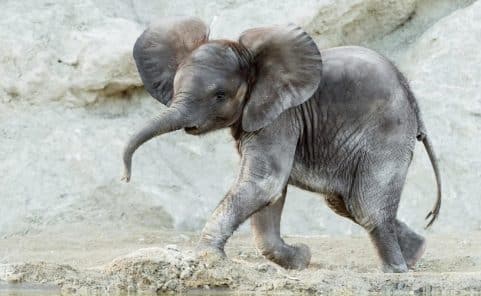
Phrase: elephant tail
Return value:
(433, 214)
(421, 135)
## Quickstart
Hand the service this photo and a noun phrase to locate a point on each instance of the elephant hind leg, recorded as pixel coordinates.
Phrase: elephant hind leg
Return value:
(412, 244)
(266, 229)
(374, 200)
(385, 239)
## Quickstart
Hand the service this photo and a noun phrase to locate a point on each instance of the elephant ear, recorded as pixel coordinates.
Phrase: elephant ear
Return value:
(288, 72)
(162, 47)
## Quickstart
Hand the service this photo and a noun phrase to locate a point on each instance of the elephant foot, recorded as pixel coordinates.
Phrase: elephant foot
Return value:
(210, 256)
(391, 268)
(416, 254)
(301, 257)
(297, 256)
(412, 244)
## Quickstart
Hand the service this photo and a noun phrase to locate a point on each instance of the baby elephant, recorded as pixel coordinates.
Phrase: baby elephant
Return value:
(341, 122)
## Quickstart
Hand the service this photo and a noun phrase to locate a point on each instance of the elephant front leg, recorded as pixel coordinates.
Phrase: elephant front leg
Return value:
(266, 229)
(237, 206)
(266, 164)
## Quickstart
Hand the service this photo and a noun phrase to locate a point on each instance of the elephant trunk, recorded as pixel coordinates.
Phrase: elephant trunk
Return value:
(169, 120)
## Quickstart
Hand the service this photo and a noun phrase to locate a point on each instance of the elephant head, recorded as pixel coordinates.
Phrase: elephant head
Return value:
(212, 84)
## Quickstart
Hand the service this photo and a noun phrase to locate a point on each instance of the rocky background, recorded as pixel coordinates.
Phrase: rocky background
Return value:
(70, 97)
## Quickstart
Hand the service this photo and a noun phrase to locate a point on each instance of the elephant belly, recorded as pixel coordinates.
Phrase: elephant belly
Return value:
(320, 178)
(332, 187)
(330, 144)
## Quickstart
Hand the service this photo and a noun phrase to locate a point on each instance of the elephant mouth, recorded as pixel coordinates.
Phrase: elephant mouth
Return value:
(192, 130)
(202, 129)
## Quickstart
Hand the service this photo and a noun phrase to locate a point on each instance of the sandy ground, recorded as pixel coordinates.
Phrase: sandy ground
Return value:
(119, 261)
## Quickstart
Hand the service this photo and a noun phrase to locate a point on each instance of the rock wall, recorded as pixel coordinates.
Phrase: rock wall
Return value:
(443, 66)
(70, 96)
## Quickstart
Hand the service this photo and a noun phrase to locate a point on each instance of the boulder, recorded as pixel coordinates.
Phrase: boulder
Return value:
(65, 51)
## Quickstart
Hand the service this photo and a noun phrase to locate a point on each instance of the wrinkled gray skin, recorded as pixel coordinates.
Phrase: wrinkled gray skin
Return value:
(341, 122)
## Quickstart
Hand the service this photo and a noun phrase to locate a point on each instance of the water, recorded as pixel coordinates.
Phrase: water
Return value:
(7, 289)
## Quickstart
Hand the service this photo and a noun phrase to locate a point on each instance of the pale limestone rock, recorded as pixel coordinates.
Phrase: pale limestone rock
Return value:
(67, 51)
(79, 52)
(353, 22)
(104, 65)
(61, 165)
(443, 68)
(331, 22)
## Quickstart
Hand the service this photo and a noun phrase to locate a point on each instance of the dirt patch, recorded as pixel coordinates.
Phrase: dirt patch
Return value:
(163, 262)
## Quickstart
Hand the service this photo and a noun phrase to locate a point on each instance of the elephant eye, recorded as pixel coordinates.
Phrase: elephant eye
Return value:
(220, 95)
